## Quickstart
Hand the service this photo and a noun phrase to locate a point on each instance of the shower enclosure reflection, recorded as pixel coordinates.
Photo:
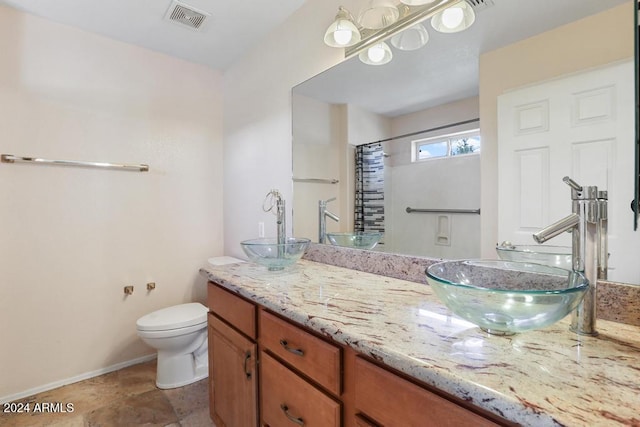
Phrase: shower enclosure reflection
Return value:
(375, 182)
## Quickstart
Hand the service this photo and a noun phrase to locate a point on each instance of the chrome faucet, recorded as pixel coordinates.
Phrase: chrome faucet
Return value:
(588, 224)
(323, 213)
(275, 199)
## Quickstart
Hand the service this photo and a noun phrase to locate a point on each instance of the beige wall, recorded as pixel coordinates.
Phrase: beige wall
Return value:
(593, 41)
(73, 237)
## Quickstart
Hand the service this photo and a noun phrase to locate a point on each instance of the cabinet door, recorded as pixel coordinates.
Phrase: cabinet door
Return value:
(233, 376)
(393, 401)
(288, 400)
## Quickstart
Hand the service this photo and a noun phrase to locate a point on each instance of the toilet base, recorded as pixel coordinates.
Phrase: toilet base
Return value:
(179, 370)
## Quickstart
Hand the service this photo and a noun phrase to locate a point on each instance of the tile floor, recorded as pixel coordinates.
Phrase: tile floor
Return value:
(123, 398)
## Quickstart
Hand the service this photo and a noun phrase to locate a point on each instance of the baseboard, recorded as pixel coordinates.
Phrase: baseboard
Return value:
(75, 379)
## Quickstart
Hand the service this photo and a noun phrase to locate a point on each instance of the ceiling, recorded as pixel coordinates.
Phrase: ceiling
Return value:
(231, 30)
(446, 69)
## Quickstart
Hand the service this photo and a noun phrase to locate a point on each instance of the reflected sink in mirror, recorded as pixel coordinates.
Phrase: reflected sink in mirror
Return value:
(356, 239)
(506, 297)
(555, 256)
(269, 253)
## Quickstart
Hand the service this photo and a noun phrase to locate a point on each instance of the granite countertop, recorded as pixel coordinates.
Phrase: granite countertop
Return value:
(545, 377)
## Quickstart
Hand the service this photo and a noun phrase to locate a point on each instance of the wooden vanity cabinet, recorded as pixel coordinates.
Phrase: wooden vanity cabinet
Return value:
(306, 379)
(385, 399)
(233, 375)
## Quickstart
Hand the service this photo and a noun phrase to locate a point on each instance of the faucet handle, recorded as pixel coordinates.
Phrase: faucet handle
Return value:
(328, 200)
(571, 183)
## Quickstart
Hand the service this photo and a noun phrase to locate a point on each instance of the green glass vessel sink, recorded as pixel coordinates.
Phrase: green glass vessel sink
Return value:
(555, 256)
(356, 239)
(273, 255)
(506, 297)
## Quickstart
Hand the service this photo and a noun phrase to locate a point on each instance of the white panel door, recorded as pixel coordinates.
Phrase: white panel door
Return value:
(581, 126)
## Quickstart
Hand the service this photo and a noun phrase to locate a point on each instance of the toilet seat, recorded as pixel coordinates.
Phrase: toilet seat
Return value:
(181, 317)
(168, 333)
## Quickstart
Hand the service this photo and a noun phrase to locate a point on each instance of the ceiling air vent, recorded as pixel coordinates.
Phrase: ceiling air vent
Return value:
(187, 16)
(480, 5)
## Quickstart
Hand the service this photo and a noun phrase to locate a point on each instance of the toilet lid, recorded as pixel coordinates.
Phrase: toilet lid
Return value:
(178, 316)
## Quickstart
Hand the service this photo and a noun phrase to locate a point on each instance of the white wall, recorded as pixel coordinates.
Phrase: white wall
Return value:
(433, 184)
(257, 118)
(73, 237)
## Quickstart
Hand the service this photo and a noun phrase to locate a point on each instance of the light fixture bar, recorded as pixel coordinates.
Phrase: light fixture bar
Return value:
(409, 15)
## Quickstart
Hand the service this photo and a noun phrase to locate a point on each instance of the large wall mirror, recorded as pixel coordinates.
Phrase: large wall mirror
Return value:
(457, 89)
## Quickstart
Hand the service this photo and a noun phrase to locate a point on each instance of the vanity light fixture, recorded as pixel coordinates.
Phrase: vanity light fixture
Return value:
(378, 14)
(343, 31)
(378, 54)
(412, 38)
(453, 19)
(417, 2)
(382, 20)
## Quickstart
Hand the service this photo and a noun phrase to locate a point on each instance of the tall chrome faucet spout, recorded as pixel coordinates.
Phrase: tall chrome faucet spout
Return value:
(275, 199)
(588, 222)
(281, 221)
(565, 224)
(323, 213)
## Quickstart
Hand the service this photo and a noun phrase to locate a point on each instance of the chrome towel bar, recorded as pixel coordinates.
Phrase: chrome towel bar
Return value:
(10, 158)
(316, 180)
(455, 211)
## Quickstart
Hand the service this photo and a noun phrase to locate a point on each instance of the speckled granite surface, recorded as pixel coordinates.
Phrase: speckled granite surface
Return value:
(617, 302)
(546, 377)
(403, 267)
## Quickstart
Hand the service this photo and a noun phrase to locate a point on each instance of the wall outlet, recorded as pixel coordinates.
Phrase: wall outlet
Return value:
(261, 229)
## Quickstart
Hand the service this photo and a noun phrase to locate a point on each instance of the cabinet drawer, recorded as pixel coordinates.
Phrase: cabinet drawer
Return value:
(394, 401)
(288, 400)
(235, 310)
(311, 355)
(362, 422)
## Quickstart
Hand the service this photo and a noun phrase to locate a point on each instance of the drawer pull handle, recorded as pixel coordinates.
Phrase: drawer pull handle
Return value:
(296, 351)
(247, 357)
(296, 420)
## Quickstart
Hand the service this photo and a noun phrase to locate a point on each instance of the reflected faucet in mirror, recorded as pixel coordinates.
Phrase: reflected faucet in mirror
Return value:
(588, 224)
(323, 213)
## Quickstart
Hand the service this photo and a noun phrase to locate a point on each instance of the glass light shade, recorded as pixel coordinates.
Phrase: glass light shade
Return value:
(416, 2)
(456, 18)
(378, 14)
(378, 54)
(342, 32)
(412, 38)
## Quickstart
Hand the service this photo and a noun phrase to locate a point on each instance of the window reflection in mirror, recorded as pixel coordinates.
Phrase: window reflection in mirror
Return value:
(456, 144)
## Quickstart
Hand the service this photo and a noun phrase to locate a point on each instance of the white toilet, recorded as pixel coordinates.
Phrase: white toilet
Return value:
(179, 333)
